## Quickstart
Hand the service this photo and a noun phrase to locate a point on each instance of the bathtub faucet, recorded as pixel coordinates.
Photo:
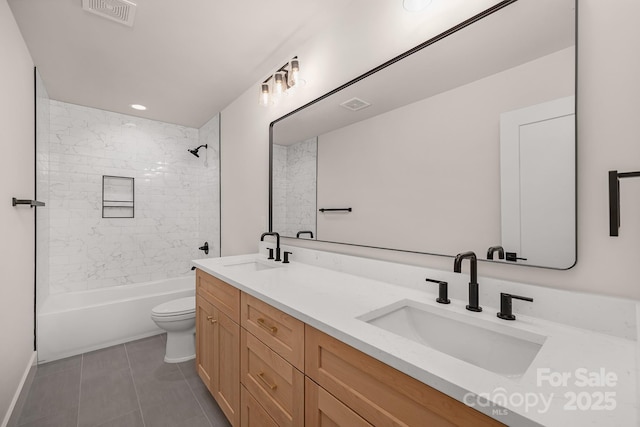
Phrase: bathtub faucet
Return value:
(277, 236)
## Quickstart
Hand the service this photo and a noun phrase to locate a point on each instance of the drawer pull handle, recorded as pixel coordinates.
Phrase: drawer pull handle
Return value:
(271, 329)
(271, 386)
(213, 321)
(209, 317)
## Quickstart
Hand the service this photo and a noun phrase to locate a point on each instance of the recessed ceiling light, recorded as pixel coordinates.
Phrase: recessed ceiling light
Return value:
(138, 107)
(415, 5)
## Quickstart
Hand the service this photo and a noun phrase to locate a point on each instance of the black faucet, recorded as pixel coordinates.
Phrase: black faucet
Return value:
(473, 283)
(273, 233)
(493, 249)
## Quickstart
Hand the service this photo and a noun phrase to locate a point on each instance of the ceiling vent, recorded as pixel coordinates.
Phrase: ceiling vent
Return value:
(355, 104)
(121, 11)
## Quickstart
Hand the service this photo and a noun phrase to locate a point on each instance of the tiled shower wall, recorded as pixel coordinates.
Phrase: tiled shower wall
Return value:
(294, 187)
(42, 188)
(176, 198)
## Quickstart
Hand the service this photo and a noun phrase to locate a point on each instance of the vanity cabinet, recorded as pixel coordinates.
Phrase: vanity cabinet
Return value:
(268, 369)
(324, 410)
(380, 394)
(218, 342)
(272, 357)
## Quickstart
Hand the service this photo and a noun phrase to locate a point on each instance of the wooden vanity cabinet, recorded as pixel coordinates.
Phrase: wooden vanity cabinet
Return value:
(272, 356)
(268, 369)
(380, 394)
(324, 410)
(218, 342)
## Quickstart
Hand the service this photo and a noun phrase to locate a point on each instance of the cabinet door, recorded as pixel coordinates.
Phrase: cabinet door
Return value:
(278, 330)
(272, 381)
(225, 378)
(324, 410)
(253, 415)
(380, 394)
(205, 318)
(222, 295)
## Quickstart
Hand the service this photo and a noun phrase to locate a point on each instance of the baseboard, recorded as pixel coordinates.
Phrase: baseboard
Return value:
(21, 393)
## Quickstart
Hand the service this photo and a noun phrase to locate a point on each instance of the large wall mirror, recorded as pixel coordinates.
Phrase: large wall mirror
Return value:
(467, 142)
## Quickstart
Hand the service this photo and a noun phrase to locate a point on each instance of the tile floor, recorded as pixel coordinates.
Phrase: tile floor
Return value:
(127, 385)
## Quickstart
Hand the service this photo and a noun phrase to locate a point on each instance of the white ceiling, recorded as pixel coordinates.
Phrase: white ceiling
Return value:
(185, 60)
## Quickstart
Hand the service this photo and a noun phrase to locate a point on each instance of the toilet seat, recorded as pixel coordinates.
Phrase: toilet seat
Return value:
(176, 308)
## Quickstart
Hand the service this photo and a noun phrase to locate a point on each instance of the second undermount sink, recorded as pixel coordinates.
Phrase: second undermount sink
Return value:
(498, 348)
(251, 265)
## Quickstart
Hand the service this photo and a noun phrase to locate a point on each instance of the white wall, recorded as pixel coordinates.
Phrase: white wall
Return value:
(16, 223)
(608, 106)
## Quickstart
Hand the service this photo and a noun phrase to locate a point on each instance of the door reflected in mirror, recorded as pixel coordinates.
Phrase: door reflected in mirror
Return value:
(465, 144)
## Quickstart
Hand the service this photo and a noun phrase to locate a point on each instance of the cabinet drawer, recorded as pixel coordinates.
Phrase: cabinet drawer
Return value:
(252, 414)
(324, 410)
(222, 295)
(281, 332)
(272, 381)
(379, 393)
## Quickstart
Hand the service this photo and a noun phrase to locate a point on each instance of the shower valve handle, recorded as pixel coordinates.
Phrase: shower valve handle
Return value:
(205, 248)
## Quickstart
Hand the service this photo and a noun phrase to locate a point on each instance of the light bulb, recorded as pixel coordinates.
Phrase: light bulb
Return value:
(264, 94)
(294, 75)
(279, 85)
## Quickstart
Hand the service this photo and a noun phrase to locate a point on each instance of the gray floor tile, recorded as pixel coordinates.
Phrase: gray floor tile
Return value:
(127, 385)
(146, 354)
(208, 404)
(204, 398)
(106, 397)
(59, 365)
(22, 398)
(179, 413)
(132, 419)
(103, 361)
(188, 368)
(166, 385)
(51, 394)
(64, 418)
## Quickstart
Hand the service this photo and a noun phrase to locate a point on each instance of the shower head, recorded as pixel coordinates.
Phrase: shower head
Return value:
(194, 151)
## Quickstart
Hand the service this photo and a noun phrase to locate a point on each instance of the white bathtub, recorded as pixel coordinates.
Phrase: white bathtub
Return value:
(77, 322)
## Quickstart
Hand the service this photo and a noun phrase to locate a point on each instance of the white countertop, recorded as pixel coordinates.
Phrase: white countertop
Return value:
(599, 370)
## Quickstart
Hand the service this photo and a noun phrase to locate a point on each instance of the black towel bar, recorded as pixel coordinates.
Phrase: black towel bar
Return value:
(614, 199)
(335, 210)
(32, 203)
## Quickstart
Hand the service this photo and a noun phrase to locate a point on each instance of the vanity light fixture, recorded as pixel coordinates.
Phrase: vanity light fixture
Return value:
(138, 107)
(415, 5)
(281, 82)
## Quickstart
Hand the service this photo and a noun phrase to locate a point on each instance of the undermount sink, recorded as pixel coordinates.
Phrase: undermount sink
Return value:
(250, 266)
(498, 348)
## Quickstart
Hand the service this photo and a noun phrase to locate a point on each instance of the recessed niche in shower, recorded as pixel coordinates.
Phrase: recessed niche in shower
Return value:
(117, 197)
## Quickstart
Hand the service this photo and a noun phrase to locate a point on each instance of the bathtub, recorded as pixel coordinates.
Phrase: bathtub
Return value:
(76, 322)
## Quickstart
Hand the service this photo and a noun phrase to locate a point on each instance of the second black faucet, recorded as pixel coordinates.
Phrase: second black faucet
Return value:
(277, 236)
(474, 303)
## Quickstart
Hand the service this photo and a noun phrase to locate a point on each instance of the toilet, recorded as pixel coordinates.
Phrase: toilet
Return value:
(178, 318)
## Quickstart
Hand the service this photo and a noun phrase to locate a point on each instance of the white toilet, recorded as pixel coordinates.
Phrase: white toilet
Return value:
(178, 318)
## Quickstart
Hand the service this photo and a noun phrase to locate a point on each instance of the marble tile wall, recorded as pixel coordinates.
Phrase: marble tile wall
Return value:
(42, 189)
(176, 198)
(294, 187)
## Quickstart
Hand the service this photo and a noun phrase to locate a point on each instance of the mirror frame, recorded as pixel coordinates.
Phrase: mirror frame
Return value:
(487, 12)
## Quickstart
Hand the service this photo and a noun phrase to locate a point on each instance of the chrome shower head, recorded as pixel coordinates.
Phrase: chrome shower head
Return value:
(194, 151)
